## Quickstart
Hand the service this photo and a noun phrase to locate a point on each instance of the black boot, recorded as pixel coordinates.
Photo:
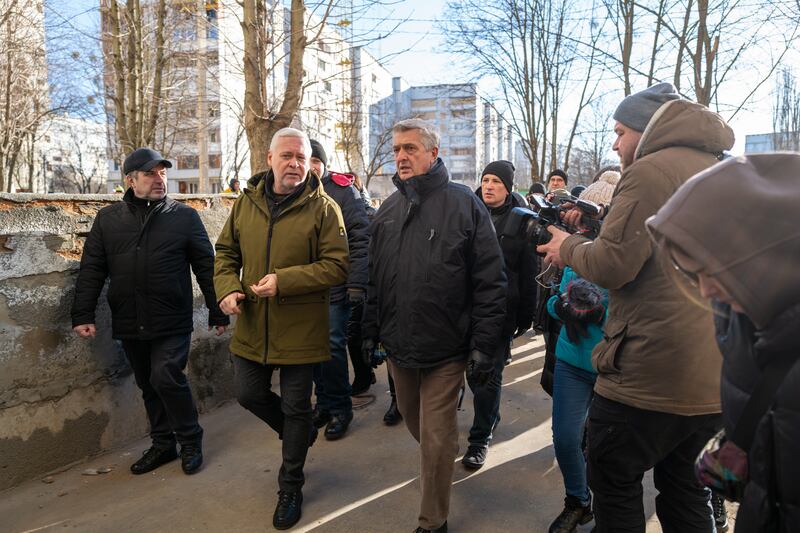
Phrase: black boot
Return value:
(573, 515)
(338, 425)
(153, 458)
(392, 416)
(288, 510)
(362, 383)
(191, 457)
(720, 514)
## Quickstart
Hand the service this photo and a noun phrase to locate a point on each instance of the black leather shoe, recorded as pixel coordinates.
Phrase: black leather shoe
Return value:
(573, 515)
(320, 418)
(337, 427)
(191, 457)
(288, 510)
(392, 416)
(440, 529)
(153, 458)
(475, 457)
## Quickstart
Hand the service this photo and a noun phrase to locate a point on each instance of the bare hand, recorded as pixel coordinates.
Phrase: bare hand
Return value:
(219, 329)
(85, 330)
(573, 218)
(552, 249)
(267, 287)
(230, 304)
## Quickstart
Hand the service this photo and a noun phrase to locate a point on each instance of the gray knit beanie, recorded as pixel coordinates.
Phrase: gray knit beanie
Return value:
(636, 110)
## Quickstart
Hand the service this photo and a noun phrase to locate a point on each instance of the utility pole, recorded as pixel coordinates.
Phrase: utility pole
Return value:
(202, 102)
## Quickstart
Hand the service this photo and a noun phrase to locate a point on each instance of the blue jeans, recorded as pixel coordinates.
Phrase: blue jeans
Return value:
(573, 389)
(486, 403)
(331, 378)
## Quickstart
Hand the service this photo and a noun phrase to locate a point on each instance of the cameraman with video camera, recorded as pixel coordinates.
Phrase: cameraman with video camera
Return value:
(657, 396)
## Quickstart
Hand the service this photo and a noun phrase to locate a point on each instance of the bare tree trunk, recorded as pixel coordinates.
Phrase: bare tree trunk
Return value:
(260, 124)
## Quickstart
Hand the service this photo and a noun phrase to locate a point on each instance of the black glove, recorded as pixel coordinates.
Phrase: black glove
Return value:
(480, 368)
(371, 354)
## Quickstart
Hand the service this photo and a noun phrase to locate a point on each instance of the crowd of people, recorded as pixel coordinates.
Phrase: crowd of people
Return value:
(669, 330)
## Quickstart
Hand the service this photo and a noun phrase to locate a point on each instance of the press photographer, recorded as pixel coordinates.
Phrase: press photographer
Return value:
(656, 398)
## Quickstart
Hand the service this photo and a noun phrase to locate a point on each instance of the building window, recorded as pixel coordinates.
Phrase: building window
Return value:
(212, 31)
(187, 162)
(214, 160)
(374, 78)
(328, 86)
(322, 65)
(213, 135)
(463, 151)
(322, 46)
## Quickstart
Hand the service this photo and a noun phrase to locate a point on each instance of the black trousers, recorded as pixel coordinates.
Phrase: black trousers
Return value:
(623, 443)
(288, 414)
(158, 367)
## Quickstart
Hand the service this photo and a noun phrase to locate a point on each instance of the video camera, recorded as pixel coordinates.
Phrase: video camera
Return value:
(531, 224)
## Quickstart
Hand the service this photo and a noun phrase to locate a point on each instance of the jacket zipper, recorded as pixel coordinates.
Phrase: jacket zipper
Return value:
(266, 315)
(430, 254)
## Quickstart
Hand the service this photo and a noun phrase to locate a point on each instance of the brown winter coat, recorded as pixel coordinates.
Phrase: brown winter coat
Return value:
(306, 246)
(659, 351)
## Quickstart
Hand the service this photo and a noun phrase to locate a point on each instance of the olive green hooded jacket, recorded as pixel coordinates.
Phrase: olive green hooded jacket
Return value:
(306, 246)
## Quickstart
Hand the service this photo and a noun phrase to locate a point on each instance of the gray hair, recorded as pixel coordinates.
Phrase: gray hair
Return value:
(428, 135)
(291, 132)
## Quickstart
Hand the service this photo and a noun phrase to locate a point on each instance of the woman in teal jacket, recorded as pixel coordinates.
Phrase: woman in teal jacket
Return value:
(582, 308)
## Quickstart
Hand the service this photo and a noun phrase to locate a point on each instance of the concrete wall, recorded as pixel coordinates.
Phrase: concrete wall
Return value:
(63, 398)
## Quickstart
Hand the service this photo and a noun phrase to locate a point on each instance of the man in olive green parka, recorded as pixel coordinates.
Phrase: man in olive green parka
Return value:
(282, 248)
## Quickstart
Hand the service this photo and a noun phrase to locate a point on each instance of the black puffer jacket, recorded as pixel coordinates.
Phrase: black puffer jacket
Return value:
(437, 287)
(519, 257)
(771, 500)
(356, 224)
(146, 249)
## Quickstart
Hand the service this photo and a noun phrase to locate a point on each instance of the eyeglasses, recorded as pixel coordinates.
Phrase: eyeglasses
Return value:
(690, 276)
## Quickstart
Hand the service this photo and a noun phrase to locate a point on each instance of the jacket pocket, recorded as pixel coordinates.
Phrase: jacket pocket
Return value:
(605, 355)
(310, 298)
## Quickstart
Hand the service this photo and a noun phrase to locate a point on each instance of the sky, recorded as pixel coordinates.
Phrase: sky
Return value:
(416, 51)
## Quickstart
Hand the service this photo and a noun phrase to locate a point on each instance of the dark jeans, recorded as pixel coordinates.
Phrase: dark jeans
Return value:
(158, 367)
(288, 414)
(572, 395)
(486, 402)
(623, 443)
(331, 378)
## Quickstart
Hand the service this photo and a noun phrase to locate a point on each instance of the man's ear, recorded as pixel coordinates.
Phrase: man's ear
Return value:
(435, 152)
(269, 158)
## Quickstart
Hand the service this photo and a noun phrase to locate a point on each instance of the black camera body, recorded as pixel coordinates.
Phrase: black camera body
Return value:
(531, 224)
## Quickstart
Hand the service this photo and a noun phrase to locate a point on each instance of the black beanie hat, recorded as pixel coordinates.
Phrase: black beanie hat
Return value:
(503, 170)
(319, 152)
(557, 172)
(537, 188)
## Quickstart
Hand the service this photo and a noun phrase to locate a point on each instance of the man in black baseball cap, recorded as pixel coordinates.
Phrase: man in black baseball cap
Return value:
(143, 159)
(146, 245)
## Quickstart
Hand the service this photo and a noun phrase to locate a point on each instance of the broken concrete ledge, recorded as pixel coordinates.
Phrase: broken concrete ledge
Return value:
(63, 398)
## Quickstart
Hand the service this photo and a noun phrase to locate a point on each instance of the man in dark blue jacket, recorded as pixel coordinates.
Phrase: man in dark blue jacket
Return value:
(436, 300)
(331, 380)
(145, 245)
